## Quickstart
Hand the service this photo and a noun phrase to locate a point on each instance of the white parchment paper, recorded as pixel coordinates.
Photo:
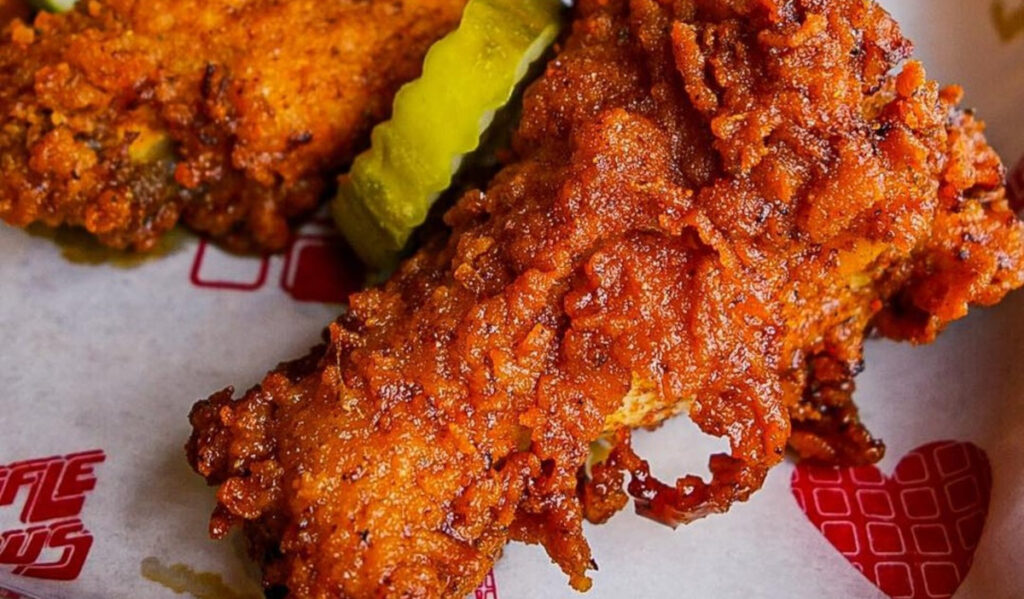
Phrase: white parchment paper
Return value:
(112, 358)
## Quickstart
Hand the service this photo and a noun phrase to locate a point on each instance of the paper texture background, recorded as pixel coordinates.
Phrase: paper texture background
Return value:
(112, 358)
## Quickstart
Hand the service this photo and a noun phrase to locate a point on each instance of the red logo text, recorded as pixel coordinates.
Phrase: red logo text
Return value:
(54, 543)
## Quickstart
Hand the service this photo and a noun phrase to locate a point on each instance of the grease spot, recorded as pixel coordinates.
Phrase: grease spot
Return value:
(79, 247)
(1009, 23)
(202, 585)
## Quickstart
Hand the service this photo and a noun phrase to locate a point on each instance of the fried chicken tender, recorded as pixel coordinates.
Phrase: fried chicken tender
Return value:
(13, 9)
(712, 204)
(123, 117)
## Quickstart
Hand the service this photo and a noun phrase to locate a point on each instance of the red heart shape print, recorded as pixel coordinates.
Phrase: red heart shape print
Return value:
(912, 534)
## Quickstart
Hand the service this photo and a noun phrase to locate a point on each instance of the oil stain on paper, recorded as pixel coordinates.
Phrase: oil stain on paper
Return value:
(79, 247)
(201, 585)
(1008, 23)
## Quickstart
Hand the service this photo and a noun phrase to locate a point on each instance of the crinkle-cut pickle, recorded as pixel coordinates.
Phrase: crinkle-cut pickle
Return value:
(437, 119)
(53, 5)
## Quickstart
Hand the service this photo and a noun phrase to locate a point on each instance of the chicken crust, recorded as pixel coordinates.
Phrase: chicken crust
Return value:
(712, 204)
(123, 117)
(13, 9)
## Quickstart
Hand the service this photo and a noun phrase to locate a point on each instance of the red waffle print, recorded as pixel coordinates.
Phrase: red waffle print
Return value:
(487, 589)
(317, 267)
(205, 271)
(912, 534)
(1015, 186)
(320, 268)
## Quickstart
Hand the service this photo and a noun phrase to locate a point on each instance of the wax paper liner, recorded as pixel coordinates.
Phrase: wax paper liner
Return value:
(102, 360)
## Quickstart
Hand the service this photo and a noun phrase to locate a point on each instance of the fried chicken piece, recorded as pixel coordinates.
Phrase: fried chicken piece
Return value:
(712, 204)
(123, 117)
(13, 9)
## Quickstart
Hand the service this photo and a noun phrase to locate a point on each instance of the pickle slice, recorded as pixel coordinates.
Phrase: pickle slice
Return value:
(437, 120)
(53, 5)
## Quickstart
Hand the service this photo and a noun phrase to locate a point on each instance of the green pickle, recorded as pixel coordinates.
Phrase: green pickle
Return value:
(53, 5)
(438, 119)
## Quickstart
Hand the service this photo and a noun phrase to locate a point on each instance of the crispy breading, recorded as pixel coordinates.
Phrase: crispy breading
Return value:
(712, 204)
(13, 9)
(123, 117)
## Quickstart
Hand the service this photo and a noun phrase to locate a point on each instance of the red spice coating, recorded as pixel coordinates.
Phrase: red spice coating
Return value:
(13, 9)
(123, 117)
(718, 199)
